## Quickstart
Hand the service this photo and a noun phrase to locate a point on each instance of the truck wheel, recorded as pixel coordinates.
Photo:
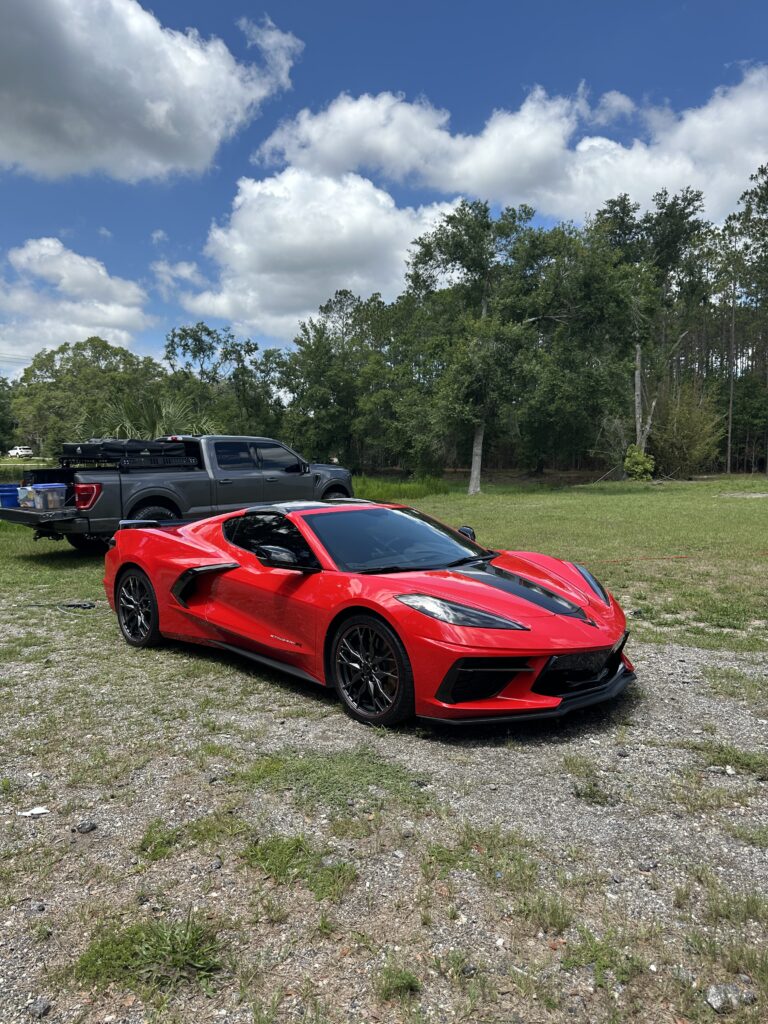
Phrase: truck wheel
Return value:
(335, 492)
(88, 543)
(160, 512)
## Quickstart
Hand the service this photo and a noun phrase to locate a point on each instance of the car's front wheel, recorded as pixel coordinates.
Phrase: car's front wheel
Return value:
(371, 672)
(136, 607)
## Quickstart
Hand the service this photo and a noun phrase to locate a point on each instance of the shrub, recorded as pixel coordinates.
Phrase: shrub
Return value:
(637, 464)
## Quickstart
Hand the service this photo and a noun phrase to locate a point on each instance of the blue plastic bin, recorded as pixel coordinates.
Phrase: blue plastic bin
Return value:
(9, 495)
(48, 496)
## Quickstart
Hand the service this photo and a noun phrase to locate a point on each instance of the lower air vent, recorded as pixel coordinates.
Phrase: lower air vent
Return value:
(471, 679)
(571, 673)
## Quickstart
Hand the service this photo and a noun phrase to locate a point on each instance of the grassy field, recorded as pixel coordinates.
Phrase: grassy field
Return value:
(222, 844)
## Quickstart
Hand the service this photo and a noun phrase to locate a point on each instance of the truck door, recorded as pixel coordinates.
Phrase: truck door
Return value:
(237, 478)
(285, 478)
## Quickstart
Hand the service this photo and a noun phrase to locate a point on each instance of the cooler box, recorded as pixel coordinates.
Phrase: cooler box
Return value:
(9, 495)
(48, 496)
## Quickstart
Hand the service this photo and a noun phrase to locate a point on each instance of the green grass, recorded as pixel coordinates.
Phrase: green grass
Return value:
(546, 911)
(692, 560)
(287, 859)
(392, 489)
(749, 762)
(753, 835)
(498, 858)
(605, 955)
(334, 780)
(152, 955)
(396, 982)
(731, 682)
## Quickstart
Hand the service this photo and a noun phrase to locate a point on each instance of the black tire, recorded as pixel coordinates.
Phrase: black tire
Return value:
(371, 672)
(335, 492)
(159, 512)
(136, 607)
(88, 543)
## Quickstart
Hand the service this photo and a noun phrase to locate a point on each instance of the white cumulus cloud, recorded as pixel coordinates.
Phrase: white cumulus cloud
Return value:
(293, 239)
(56, 295)
(101, 86)
(169, 275)
(545, 152)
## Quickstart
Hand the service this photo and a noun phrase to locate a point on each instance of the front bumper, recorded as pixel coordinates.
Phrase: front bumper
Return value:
(573, 702)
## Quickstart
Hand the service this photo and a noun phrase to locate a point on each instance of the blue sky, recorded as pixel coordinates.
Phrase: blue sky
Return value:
(167, 164)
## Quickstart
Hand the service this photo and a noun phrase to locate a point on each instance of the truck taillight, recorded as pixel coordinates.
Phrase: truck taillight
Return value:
(86, 495)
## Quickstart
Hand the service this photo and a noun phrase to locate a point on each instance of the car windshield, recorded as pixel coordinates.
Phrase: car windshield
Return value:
(390, 540)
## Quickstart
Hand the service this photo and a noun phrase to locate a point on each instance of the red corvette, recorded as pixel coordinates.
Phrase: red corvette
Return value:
(400, 614)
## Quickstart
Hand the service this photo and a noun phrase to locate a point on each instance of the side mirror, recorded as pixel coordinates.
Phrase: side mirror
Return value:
(277, 558)
(468, 532)
(305, 467)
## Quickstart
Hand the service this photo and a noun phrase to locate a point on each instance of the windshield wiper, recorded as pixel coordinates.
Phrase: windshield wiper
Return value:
(472, 558)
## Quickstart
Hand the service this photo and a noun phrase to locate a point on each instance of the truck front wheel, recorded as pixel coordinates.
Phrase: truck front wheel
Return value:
(88, 543)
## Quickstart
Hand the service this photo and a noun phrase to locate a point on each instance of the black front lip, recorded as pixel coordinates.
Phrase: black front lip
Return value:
(606, 691)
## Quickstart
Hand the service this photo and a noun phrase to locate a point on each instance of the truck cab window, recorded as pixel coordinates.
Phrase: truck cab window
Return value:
(274, 456)
(234, 456)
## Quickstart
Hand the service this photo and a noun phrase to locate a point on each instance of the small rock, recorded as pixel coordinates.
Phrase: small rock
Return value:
(622, 752)
(40, 1008)
(725, 998)
(648, 865)
(399, 854)
(84, 827)
(730, 770)
(493, 787)
(36, 907)
(716, 769)
(617, 879)
(216, 864)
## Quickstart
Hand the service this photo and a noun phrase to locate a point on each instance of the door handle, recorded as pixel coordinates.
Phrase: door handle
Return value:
(226, 480)
(270, 479)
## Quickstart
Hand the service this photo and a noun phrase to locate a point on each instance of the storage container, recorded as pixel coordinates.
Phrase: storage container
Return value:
(26, 496)
(48, 496)
(9, 495)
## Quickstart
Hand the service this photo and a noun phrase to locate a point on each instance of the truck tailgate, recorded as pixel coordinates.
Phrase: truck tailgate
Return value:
(72, 520)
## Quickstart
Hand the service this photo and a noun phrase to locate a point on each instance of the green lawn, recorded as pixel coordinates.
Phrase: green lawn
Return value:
(689, 561)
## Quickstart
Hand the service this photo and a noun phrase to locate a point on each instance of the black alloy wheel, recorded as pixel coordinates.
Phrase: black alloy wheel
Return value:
(371, 671)
(137, 609)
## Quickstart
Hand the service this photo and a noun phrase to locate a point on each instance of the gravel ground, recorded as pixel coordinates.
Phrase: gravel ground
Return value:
(600, 876)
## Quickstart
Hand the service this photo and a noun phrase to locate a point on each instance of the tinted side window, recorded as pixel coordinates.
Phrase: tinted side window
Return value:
(269, 528)
(274, 456)
(234, 456)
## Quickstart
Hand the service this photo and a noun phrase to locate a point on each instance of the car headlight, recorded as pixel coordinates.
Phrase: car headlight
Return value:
(595, 585)
(457, 614)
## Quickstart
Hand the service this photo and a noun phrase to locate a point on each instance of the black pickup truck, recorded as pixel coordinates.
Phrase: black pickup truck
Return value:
(174, 477)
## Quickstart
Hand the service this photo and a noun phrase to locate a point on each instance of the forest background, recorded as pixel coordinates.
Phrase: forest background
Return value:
(527, 345)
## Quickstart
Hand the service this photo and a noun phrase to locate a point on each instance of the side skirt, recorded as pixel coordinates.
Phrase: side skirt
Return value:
(262, 659)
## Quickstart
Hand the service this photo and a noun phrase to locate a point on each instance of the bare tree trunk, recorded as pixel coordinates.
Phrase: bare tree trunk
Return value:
(732, 369)
(477, 459)
(639, 395)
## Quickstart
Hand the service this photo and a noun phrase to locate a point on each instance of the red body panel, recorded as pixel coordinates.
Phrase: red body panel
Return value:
(285, 616)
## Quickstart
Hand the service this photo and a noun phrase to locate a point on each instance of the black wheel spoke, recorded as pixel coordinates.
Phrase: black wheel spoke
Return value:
(367, 670)
(134, 606)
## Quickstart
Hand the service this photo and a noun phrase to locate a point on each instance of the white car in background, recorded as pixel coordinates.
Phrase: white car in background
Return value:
(21, 451)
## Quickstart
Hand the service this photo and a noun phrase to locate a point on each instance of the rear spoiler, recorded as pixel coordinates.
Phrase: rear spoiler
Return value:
(147, 524)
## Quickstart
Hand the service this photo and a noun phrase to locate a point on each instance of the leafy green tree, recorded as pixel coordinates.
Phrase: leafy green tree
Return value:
(7, 421)
(64, 394)
(688, 430)
(154, 415)
(469, 249)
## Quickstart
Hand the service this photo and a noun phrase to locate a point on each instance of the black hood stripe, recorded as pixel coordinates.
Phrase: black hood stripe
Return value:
(525, 589)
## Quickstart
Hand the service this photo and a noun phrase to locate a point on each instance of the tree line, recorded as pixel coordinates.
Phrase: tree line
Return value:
(514, 344)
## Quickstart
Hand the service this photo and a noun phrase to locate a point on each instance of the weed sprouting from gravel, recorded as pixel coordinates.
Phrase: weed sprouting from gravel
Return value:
(335, 779)
(753, 762)
(546, 911)
(604, 955)
(753, 835)
(159, 840)
(152, 955)
(497, 857)
(396, 982)
(287, 859)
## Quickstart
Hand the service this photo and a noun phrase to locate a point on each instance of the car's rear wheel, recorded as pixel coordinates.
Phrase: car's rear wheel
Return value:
(88, 543)
(136, 607)
(371, 672)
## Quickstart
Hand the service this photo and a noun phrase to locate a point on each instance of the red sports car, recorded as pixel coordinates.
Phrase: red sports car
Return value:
(402, 615)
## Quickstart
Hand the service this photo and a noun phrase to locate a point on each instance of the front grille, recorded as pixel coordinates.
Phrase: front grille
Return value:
(572, 673)
(471, 679)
